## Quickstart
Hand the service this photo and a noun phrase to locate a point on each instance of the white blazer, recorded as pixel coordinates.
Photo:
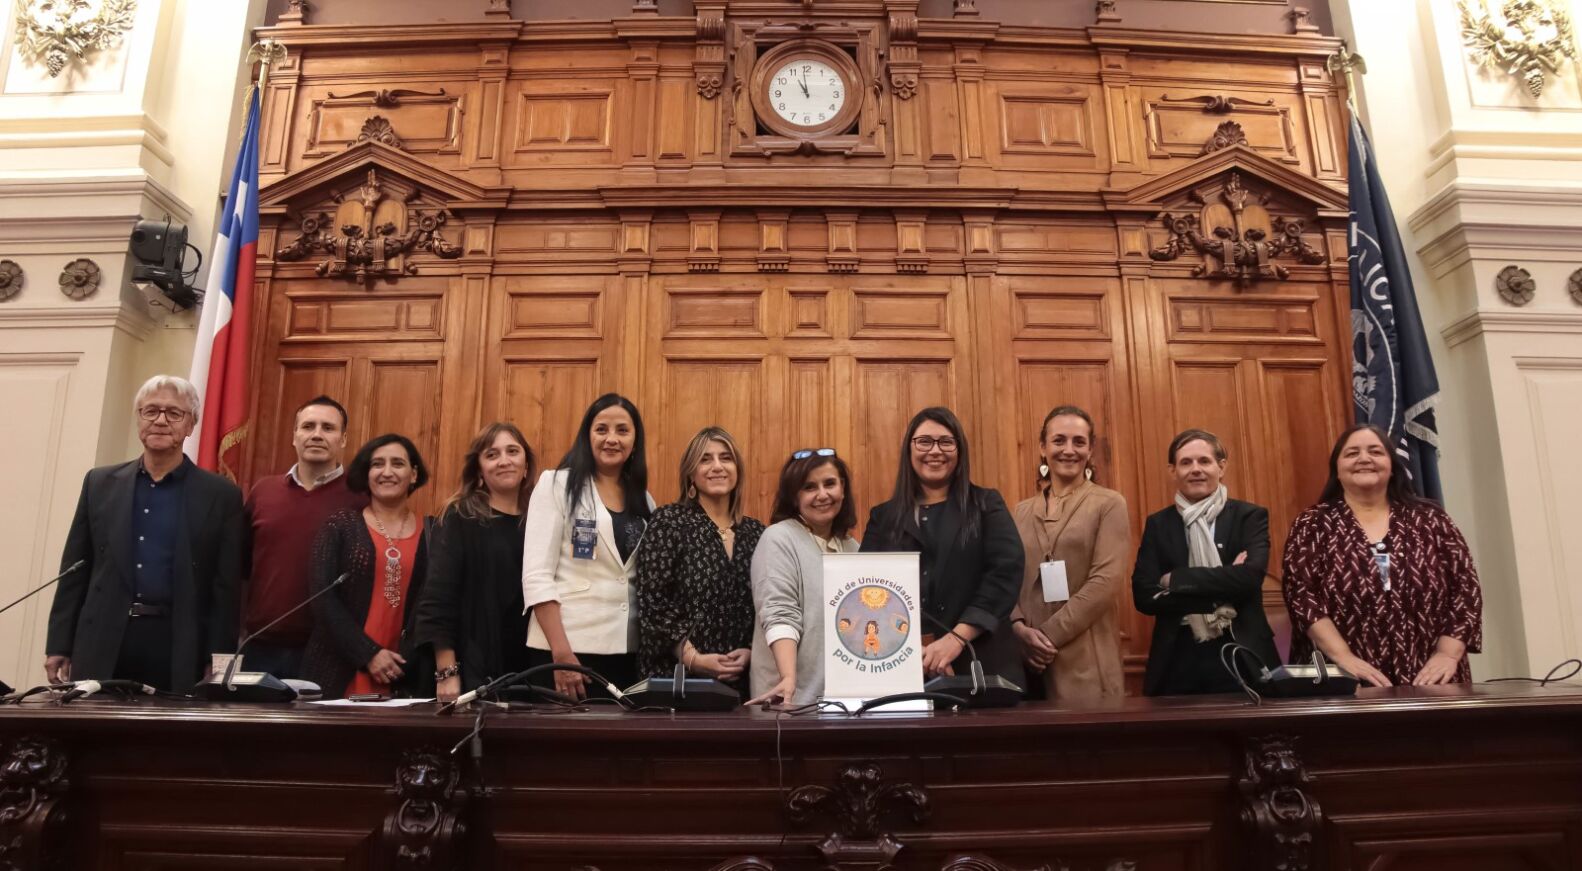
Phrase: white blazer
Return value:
(598, 601)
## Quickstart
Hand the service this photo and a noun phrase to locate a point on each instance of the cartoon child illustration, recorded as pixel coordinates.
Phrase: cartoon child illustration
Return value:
(870, 640)
(844, 625)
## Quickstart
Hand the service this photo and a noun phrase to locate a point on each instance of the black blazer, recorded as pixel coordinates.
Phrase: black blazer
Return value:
(460, 608)
(88, 617)
(338, 647)
(972, 579)
(1241, 526)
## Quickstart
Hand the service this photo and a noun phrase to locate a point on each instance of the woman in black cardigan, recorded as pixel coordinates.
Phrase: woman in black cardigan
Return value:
(362, 638)
(971, 553)
(471, 612)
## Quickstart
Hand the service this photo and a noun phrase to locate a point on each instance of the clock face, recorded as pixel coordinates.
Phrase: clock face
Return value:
(807, 92)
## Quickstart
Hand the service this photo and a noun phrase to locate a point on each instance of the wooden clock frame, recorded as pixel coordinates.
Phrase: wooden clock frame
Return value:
(771, 60)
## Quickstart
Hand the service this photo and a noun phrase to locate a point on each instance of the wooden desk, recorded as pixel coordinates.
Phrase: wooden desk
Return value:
(1486, 777)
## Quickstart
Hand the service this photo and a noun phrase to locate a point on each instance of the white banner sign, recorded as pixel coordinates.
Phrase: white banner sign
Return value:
(872, 644)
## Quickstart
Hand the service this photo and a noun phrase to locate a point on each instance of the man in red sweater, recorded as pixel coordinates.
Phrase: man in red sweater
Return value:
(284, 513)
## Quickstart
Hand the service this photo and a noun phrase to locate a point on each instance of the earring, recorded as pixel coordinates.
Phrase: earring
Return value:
(1043, 471)
(692, 491)
(1088, 472)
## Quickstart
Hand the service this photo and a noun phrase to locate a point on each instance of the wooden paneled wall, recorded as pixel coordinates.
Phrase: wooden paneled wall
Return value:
(583, 206)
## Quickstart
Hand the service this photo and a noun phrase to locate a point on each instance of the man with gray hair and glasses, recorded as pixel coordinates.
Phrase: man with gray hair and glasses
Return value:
(161, 545)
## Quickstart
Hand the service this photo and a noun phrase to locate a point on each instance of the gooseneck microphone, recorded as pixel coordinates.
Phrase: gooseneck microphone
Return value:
(230, 667)
(979, 690)
(44, 586)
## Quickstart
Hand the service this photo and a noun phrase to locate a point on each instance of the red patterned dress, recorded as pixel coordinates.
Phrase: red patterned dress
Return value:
(1330, 572)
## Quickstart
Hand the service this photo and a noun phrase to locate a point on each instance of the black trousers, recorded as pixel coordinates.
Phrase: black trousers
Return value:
(146, 653)
(619, 668)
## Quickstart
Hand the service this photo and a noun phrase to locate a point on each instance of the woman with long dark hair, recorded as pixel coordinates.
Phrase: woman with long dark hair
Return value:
(471, 613)
(584, 524)
(814, 514)
(971, 554)
(694, 592)
(1076, 539)
(1378, 579)
(361, 641)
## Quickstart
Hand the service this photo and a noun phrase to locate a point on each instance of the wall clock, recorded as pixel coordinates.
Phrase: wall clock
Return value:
(806, 89)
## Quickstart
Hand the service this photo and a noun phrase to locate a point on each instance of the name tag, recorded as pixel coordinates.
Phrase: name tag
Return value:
(1053, 575)
(1382, 560)
(584, 534)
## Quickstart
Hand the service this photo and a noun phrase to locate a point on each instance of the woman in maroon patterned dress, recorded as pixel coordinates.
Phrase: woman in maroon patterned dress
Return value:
(1378, 579)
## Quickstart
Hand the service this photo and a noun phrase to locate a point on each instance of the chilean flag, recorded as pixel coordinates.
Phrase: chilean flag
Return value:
(219, 361)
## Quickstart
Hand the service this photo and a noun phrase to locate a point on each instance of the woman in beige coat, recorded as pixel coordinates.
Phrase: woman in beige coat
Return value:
(1076, 538)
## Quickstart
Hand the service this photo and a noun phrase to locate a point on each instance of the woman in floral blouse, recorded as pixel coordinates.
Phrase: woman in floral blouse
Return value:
(694, 591)
(1378, 579)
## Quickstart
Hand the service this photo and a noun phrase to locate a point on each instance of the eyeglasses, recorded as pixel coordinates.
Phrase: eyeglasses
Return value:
(928, 443)
(813, 452)
(152, 412)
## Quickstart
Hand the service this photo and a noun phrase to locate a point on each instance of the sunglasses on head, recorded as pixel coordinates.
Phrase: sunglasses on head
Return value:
(813, 452)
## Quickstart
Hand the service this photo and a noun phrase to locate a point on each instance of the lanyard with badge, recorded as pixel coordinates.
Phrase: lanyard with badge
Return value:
(1381, 559)
(1052, 573)
(584, 537)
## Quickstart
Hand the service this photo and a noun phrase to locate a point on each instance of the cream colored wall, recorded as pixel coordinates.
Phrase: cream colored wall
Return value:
(133, 134)
(1483, 176)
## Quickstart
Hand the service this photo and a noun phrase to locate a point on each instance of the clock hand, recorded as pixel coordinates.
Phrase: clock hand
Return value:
(804, 88)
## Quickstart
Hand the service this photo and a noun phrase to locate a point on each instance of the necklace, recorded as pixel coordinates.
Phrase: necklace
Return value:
(392, 588)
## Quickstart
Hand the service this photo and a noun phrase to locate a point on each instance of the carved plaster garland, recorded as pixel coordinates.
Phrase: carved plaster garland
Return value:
(1534, 40)
(60, 32)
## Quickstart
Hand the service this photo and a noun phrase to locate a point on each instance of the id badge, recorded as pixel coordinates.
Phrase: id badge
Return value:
(584, 533)
(1053, 575)
(1381, 558)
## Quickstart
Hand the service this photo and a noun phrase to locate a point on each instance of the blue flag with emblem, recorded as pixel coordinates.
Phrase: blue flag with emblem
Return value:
(1393, 384)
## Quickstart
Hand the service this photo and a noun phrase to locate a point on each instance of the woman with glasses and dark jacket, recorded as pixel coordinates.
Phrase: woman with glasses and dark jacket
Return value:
(971, 553)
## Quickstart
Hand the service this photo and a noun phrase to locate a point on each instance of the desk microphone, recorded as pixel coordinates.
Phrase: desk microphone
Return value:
(5, 689)
(84, 688)
(44, 586)
(267, 687)
(979, 690)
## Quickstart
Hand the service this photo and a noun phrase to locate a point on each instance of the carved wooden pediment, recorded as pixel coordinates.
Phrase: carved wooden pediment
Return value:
(1240, 212)
(360, 214)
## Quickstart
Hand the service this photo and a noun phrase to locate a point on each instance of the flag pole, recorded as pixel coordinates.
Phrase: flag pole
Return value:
(265, 54)
(1346, 62)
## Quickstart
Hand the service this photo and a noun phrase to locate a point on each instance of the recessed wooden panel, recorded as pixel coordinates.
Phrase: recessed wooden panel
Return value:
(1059, 315)
(404, 397)
(1055, 239)
(807, 314)
(1240, 319)
(426, 122)
(700, 393)
(887, 393)
(1040, 124)
(546, 400)
(1182, 129)
(713, 312)
(1451, 848)
(559, 236)
(1297, 414)
(568, 314)
(299, 381)
(941, 112)
(1210, 395)
(1044, 384)
(378, 318)
(878, 312)
(564, 121)
(809, 417)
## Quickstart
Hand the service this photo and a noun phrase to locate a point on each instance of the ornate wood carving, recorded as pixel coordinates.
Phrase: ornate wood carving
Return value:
(904, 65)
(1242, 241)
(79, 279)
(1228, 133)
(1106, 12)
(1283, 819)
(296, 13)
(708, 64)
(498, 9)
(1515, 285)
(1216, 104)
(11, 278)
(1574, 286)
(33, 811)
(426, 830)
(328, 117)
(857, 805)
(1302, 21)
(386, 98)
(966, 9)
(362, 251)
(378, 129)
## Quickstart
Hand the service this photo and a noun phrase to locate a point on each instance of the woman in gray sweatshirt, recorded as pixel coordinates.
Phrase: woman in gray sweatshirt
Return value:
(813, 515)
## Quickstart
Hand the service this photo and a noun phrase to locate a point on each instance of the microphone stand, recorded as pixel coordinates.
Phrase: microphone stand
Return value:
(44, 586)
(230, 667)
(5, 689)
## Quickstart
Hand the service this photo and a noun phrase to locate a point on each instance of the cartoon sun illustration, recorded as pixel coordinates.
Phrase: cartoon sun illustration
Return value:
(875, 597)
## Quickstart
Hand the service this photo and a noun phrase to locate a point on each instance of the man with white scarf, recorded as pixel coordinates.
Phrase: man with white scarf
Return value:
(1199, 573)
